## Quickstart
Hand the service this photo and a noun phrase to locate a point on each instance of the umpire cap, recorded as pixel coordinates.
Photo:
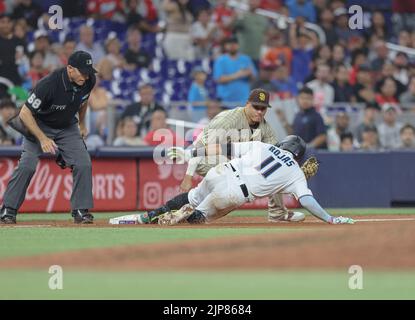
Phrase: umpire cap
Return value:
(293, 144)
(82, 60)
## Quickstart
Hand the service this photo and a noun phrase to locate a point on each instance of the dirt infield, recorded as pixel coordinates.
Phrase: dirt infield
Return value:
(377, 245)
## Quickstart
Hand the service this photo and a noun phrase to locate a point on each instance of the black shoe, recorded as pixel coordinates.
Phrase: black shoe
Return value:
(82, 216)
(197, 217)
(8, 215)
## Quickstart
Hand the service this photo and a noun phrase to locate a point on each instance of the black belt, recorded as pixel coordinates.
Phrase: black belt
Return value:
(242, 186)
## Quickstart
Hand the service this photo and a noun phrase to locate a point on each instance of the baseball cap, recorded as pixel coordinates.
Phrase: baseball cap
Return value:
(340, 11)
(388, 107)
(41, 34)
(259, 97)
(82, 61)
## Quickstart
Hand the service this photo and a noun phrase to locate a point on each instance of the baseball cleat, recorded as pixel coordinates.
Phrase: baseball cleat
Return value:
(7, 215)
(290, 216)
(82, 216)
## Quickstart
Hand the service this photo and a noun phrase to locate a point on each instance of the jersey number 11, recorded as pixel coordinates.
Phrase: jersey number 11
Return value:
(271, 169)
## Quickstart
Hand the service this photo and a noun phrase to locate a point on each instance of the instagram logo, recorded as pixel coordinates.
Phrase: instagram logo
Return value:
(152, 195)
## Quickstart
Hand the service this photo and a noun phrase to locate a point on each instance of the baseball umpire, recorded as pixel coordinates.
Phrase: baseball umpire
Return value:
(249, 121)
(53, 121)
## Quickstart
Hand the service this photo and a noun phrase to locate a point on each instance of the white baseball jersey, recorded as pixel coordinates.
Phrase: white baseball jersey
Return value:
(267, 169)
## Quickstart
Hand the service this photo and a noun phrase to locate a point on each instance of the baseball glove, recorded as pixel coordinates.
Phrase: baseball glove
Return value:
(310, 167)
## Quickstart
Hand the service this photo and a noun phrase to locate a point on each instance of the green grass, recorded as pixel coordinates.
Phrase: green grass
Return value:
(239, 213)
(207, 285)
(32, 241)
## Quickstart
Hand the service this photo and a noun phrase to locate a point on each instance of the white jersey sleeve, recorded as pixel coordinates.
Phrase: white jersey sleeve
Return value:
(241, 148)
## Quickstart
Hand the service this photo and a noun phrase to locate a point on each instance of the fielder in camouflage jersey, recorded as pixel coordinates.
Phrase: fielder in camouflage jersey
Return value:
(242, 124)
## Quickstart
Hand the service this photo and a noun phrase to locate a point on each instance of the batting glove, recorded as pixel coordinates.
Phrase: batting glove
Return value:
(342, 220)
(179, 154)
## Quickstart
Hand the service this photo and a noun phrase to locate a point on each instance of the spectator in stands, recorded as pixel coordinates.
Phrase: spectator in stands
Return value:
(198, 95)
(29, 11)
(389, 129)
(251, 29)
(338, 56)
(20, 30)
(401, 63)
(135, 20)
(387, 93)
(266, 75)
(344, 33)
(287, 87)
(343, 91)
(302, 8)
(86, 38)
(98, 101)
(322, 89)
(370, 139)
(128, 134)
(407, 135)
(105, 9)
(232, 72)
(223, 16)
(346, 142)
(323, 54)
(8, 45)
(380, 55)
(51, 60)
(160, 133)
(363, 90)
(113, 58)
(308, 123)
(8, 136)
(358, 60)
(68, 48)
(279, 52)
(388, 71)
(407, 99)
(303, 43)
(370, 116)
(378, 26)
(141, 112)
(135, 56)
(327, 24)
(178, 42)
(204, 32)
(37, 70)
(334, 134)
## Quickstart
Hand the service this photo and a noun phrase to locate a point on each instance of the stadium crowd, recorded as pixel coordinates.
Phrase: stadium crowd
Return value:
(349, 92)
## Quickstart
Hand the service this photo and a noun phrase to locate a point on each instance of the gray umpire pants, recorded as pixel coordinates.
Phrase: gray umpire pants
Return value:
(72, 147)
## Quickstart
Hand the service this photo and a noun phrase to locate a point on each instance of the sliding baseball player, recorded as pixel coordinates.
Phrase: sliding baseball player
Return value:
(258, 170)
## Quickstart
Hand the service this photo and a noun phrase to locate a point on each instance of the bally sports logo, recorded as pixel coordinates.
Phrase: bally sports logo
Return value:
(50, 188)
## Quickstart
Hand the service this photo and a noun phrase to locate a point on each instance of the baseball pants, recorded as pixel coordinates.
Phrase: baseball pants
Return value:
(276, 206)
(72, 147)
(218, 193)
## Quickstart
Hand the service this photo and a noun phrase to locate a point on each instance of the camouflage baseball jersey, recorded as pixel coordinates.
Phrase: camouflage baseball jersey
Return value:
(232, 126)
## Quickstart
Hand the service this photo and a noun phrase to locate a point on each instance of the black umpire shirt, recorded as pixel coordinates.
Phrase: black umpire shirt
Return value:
(55, 100)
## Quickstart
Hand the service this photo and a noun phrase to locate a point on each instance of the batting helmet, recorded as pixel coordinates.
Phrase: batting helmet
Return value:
(293, 144)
